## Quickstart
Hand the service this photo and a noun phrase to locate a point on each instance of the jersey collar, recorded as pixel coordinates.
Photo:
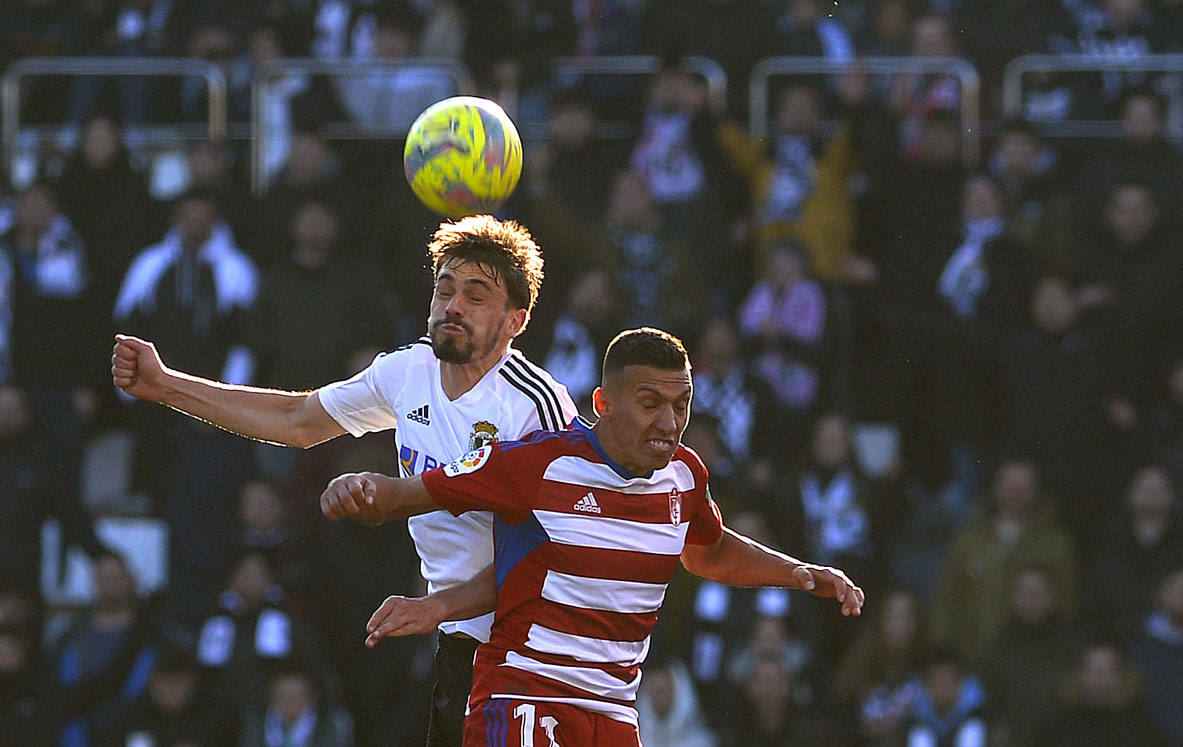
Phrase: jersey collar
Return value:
(582, 424)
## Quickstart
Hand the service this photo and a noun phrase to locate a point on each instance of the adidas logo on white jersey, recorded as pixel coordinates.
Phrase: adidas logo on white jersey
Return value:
(420, 415)
(588, 504)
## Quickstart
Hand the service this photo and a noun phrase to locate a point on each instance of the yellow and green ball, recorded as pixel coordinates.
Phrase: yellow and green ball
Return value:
(463, 156)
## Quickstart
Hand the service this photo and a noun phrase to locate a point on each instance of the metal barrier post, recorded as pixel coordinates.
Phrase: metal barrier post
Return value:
(966, 73)
(107, 66)
(1016, 69)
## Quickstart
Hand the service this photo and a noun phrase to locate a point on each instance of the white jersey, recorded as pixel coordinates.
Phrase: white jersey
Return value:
(402, 390)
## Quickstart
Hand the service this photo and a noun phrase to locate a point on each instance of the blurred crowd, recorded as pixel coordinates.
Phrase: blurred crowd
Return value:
(959, 380)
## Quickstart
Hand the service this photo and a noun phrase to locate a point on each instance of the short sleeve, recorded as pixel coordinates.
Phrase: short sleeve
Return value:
(706, 525)
(357, 404)
(706, 521)
(495, 477)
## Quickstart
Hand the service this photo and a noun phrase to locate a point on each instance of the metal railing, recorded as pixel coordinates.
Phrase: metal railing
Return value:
(967, 75)
(1020, 67)
(10, 87)
(711, 72)
(268, 76)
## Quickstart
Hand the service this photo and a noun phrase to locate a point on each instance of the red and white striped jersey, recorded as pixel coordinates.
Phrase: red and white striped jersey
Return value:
(584, 551)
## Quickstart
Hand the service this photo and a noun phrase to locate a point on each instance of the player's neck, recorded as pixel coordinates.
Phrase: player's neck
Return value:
(457, 378)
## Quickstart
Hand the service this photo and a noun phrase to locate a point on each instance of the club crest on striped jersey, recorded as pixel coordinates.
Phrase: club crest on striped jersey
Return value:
(483, 434)
(470, 462)
(675, 507)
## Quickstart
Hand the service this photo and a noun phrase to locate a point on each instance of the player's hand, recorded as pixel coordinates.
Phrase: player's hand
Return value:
(824, 581)
(351, 496)
(136, 368)
(403, 616)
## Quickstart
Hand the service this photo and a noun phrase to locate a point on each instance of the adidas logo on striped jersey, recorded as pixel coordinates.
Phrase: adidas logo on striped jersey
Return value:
(420, 415)
(588, 504)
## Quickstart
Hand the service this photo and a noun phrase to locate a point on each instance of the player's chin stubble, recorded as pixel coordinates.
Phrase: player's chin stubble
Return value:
(448, 350)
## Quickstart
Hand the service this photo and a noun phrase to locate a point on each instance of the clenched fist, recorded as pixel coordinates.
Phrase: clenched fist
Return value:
(136, 368)
(352, 496)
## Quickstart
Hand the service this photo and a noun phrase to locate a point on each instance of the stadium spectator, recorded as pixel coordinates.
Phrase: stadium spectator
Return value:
(669, 713)
(573, 164)
(518, 39)
(771, 638)
(1137, 550)
(297, 714)
(735, 33)
(949, 706)
(918, 96)
(808, 28)
(720, 622)
(584, 327)
(1104, 704)
(108, 643)
(215, 167)
(1035, 200)
(1131, 278)
(686, 171)
(831, 510)
(251, 630)
(174, 708)
(1013, 527)
(656, 267)
(800, 180)
(317, 307)
(790, 337)
(1058, 389)
(1158, 650)
(46, 317)
(194, 289)
(888, 31)
(725, 388)
(875, 681)
(388, 101)
(774, 708)
(106, 199)
(313, 168)
(1142, 154)
(1027, 664)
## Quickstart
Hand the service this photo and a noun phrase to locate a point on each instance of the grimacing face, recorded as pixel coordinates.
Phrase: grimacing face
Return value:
(471, 315)
(643, 412)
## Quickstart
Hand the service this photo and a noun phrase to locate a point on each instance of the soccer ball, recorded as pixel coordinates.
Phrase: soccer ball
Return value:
(463, 156)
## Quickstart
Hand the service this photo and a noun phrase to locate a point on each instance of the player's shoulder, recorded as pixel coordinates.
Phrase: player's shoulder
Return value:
(692, 460)
(414, 353)
(535, 388)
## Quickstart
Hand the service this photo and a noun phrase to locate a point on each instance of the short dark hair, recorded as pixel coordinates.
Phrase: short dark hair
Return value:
(645, 346)
(505, 247)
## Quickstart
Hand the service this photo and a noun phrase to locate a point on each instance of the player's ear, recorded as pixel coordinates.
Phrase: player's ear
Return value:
(598, 400)
(518, 318)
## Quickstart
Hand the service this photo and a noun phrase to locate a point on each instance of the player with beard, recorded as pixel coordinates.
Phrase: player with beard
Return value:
(457, 389)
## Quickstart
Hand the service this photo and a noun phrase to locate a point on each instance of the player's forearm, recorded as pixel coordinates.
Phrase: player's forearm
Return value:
(740, 561)
(476, 596)
(263, 414)
(400, 498)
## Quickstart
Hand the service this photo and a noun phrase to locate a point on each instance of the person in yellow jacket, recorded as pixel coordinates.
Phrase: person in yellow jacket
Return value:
(800, 180)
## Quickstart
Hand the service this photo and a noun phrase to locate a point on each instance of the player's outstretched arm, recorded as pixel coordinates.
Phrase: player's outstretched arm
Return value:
(289, 418)
(401, 616)
(374, 498)
(740, 561)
